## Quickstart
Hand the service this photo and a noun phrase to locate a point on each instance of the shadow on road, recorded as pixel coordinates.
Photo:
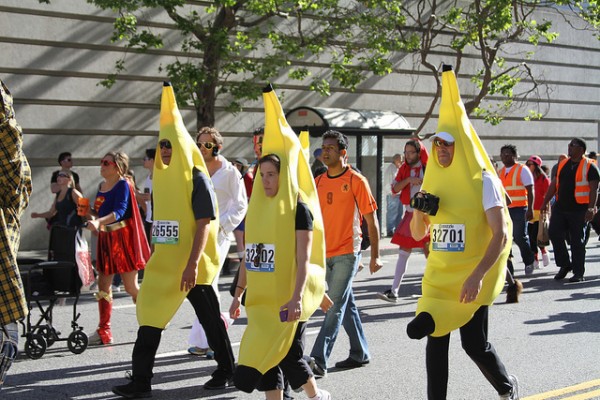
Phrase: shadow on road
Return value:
(573, 323)
(188, 379)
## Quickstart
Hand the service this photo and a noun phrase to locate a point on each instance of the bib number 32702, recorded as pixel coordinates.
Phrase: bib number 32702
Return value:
(165, 232)
(260, 257)
(448, 237)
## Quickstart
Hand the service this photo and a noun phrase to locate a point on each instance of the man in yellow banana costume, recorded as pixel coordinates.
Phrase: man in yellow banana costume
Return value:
(185, 259)
(283, 266)
(468, 225)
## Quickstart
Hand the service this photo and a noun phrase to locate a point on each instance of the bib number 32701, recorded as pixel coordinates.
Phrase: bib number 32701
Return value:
(260, 257)
(448, 237)
(165, 232)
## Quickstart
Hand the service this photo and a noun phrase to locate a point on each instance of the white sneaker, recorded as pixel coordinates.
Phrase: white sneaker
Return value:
(536, 264)
(514, 391)
(323, 395)
(545, 259)
(115, 288)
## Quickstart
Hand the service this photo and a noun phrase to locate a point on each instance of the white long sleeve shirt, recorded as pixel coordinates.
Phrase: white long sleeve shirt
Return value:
(231, 195)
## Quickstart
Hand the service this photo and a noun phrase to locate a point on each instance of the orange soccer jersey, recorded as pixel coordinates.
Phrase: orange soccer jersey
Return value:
(344, 200)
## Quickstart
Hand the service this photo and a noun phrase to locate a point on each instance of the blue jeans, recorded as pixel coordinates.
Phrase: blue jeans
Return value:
(340, 271)
(393, 213)
(517, 215)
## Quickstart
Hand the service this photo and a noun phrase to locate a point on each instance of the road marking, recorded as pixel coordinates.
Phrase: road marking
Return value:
(570, 390)
(234, 344)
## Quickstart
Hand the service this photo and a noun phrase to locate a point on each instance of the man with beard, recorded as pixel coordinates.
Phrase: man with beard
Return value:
(408, 182)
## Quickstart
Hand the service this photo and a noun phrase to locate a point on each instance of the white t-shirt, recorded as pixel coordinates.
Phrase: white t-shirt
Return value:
(148, 189)
(526, 175)
(492, 191)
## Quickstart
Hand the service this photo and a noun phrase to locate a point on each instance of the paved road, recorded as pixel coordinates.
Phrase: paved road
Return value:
(550, 341)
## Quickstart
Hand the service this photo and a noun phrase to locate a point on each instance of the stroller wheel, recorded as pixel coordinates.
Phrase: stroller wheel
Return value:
(35, 346)
(77, 342)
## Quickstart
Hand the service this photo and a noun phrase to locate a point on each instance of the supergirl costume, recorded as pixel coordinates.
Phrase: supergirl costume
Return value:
(122, 245)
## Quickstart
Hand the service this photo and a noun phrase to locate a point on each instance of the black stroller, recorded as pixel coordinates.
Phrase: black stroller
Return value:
(45, 283)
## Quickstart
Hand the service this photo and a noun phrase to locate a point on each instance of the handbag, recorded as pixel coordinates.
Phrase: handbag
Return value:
(83, 259)
(543, 238)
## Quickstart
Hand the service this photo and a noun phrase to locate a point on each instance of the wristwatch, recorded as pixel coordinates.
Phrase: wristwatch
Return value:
(593, 210)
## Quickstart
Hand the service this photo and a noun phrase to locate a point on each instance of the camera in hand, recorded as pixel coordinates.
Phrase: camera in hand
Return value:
(425, 202)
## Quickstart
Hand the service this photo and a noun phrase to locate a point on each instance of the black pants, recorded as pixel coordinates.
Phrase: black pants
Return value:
(532, 232)
(205, 303)
(572, 223)
(473, 336)
(293, 367)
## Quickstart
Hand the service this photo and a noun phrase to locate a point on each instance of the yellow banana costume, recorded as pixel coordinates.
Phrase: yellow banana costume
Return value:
(271, 222)
(159, 296)
(460, 189)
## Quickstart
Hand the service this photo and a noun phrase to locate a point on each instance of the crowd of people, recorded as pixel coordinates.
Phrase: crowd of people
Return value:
(527, 186)
(317, 252)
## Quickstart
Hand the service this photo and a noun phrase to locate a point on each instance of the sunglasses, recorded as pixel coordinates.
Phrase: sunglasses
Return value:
(207, 145)
(106, 163)
(442, 143)
(165, 144)
(67, 159)
(63, 175)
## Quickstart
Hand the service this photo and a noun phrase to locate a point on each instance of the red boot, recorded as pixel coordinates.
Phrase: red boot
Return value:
(103, 335)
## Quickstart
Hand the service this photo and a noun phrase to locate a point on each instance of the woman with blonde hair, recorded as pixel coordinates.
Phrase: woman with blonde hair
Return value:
(122, 245)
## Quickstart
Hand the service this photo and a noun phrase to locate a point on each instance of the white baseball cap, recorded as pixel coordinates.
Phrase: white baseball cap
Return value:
(445, 136)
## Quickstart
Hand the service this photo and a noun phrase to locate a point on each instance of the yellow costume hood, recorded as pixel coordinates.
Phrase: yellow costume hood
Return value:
(172, 185)
(460, 189)
(271, 222)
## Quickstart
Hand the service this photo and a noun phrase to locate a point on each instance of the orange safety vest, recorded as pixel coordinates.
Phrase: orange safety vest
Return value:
(514, 186)
(582, 185)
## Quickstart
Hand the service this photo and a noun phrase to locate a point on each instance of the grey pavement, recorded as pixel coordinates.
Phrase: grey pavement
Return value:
(549, 340)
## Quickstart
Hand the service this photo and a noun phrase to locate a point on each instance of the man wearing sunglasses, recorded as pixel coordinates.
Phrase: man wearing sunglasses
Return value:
(518, 183)
(469, 245)
(232, 201)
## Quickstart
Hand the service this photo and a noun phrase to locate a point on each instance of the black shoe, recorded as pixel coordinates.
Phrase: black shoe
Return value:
(350, 363)
(218, 383)
(317, 371)
(133, 390)
(562, 273)
(576, 278)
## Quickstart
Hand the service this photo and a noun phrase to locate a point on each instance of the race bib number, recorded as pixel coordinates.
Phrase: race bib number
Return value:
(260, 257)
(165, 232)
(448, 237)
